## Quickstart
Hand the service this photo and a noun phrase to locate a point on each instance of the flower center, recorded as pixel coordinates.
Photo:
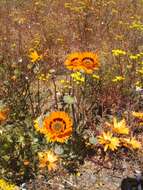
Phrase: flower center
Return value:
(88, 60)
(57, 126)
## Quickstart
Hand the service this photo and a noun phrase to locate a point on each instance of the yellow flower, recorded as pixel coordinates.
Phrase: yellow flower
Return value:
(34, 56)
(118, 52)
(109, 141)
(118, 78)
(120, 127)
(48, 159)
(138, 115)
(77, 76)
(131, 143)
(4, 185)
(96, 77)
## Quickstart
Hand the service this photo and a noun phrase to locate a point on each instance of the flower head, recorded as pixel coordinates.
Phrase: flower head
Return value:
(131, 143)
(109, 141)
(86, 62)
(34, 56)
(48, 159)
(119, 127)
(58, 127)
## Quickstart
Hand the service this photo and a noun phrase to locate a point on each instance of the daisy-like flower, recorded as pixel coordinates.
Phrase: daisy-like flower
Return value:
(109, 141)
(131, 143)
(119, 127)
(138, 115)
(48, 159)
(89, 62)
(34, 56)
(73, 61)
(58, 127)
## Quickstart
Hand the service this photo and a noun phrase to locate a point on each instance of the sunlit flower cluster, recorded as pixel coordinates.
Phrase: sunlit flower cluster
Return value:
(117, 136)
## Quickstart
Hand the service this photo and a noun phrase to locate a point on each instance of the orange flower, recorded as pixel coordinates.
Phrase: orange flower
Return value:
(89, 62)
(73, 61)
(86, 61)
(58, 127)
(48, 159)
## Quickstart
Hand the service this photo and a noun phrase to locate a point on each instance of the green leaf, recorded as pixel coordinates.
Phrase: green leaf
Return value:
(93, 140)
(58, 150)
(69, 99)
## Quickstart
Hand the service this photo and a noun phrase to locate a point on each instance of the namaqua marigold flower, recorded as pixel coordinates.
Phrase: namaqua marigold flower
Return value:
(109, 141)
(58, 127)
(138, 115)
(119, 127)
(89, 62)
(48, 159)
(34, 56)
(131, 143)
(73, 61)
